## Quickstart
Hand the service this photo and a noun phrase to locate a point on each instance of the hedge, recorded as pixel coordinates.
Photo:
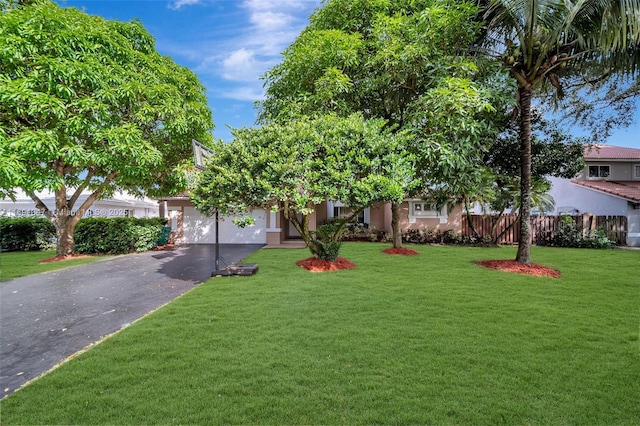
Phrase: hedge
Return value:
(26, 233)
(117, 235)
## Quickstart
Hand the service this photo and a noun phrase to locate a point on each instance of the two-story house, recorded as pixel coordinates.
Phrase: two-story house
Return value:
(608, 185)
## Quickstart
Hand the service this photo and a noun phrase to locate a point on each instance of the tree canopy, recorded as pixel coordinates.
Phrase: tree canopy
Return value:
(400, 61)
(295, 166)
(539, 41)
(88, 104)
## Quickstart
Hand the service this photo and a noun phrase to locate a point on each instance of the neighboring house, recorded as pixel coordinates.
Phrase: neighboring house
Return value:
(608, 186)
(122, 205)
(191, 227)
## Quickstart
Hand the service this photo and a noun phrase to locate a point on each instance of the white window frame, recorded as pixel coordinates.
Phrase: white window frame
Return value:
(599, 166)
(426, 210)
(636, 171)
(332, 204)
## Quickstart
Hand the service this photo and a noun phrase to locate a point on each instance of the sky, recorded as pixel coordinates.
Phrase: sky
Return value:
(230, 44)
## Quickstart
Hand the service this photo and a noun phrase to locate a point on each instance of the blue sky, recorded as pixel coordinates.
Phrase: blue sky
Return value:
(229, 44)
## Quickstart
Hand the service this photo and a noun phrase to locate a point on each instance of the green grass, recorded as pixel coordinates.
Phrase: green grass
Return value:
(17, 264)
(430, 339)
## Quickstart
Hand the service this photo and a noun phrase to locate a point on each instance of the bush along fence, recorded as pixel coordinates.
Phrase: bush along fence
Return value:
(562, 231)
(118, 235)
(26, 233)
(92, 235)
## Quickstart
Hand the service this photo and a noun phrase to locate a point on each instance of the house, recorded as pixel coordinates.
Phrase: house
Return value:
(122, 205)
(191, 227)
(609, 185)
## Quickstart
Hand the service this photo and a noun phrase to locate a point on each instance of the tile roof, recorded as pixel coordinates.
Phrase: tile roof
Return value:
(625, 189)
(608, 152)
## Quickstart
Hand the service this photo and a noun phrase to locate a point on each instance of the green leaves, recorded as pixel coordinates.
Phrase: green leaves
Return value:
(305, 162)
(90, 94)
(88, 104)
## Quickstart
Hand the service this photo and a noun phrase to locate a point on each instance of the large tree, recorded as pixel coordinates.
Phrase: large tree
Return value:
(599, 105)
(88, 105)
(495, 181)
(539, 40)
(554, 153)
(401, 61)
(294, 166)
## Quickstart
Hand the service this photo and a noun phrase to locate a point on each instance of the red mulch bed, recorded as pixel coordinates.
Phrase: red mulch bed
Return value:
(519, 268)
(401, 251)
(59, 258)
(318, 265)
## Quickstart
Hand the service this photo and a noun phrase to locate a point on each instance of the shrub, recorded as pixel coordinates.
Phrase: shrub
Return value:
(363, 232)
(436, 236)
(26, 233)
(117, 235)
(328, 238)
(569, 235)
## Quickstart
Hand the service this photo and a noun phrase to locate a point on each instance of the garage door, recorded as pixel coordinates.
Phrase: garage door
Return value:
(199, 229)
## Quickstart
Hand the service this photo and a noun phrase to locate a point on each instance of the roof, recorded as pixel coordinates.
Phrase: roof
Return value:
(629, 190)
(608, 152)
(181, 196)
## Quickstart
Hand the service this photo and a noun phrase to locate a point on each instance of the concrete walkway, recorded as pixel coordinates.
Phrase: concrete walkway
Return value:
(46, 318)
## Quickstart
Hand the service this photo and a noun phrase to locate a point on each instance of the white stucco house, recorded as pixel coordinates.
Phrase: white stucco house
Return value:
(609, 185)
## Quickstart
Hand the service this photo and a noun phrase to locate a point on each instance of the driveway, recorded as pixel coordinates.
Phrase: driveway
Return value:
(46, 318)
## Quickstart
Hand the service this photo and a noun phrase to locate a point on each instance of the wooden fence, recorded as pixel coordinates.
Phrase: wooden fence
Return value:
(544, 227)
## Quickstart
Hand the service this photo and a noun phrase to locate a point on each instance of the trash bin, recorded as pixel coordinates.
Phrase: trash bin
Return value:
(164, 238)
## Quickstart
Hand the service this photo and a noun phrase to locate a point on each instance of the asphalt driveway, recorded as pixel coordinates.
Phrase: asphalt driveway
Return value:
(46, 318)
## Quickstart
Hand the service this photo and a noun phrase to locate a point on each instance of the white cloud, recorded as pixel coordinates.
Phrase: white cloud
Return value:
(240, 66)
(177, 4)
(275, 24)
(244, 93)
(271, 21)
(269, 27)
(257, 5)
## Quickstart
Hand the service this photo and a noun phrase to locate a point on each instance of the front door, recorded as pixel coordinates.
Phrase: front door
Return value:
(292, 232)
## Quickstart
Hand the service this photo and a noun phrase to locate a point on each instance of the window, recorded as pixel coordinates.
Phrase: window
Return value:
(599, 172)
(426, 210)
(636, 171)
(342, 211)
(422, 209)
(338, 209)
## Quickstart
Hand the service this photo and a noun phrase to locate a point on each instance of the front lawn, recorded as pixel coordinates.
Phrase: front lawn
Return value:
(17, 264)
(428, 339)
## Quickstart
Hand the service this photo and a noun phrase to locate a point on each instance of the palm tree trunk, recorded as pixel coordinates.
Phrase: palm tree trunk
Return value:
(524, 248)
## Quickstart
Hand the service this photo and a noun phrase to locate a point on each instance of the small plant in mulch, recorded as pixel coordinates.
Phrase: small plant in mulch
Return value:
(519, 268)
(320, 265)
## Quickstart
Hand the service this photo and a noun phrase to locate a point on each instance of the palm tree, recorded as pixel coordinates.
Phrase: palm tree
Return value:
(540, 40)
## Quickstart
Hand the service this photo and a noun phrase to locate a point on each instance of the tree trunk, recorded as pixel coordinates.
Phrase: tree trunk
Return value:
(65, 225)
(395, 225)
(302, 226)
(469, 219)
(65, 218)
(524, 249)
